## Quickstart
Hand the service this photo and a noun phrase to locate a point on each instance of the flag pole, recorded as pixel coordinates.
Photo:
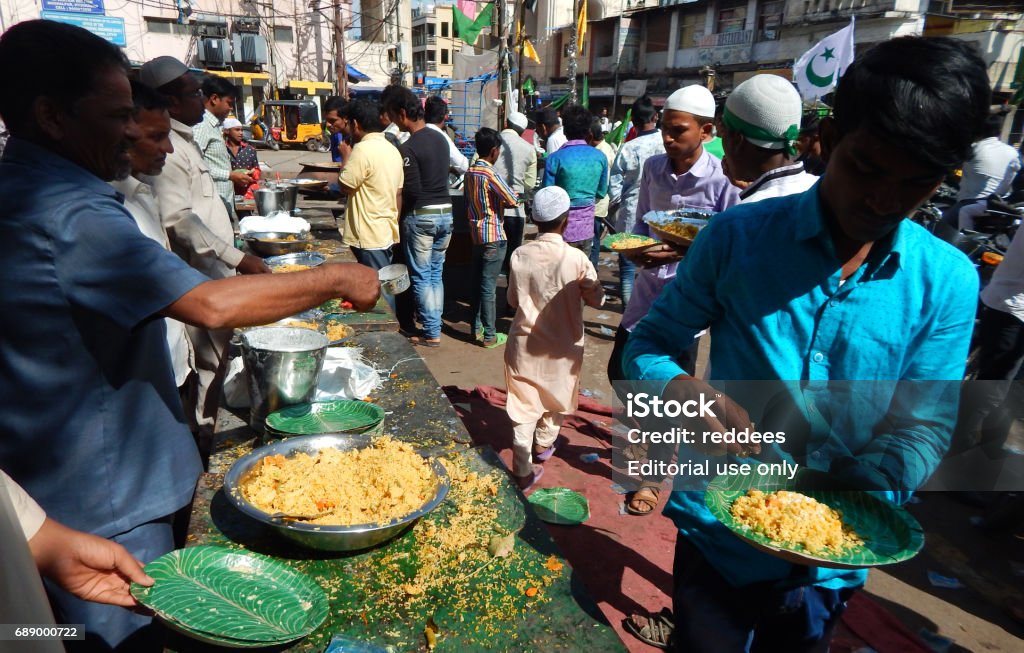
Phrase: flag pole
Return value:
(573, 46)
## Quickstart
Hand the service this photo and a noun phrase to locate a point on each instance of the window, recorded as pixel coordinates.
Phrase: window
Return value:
(444, 30)
(283, 34)
(657, 33)
(770, 19)
(430, 29)
(167, 26)
(691, 28)
(444, 56)
(431, 56)
(732, 20)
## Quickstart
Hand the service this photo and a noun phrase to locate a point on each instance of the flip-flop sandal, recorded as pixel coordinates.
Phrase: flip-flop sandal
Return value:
(547, 453)
(499, 340)
(530, 480)
(420, 341)
(655, 631)
(651, 504)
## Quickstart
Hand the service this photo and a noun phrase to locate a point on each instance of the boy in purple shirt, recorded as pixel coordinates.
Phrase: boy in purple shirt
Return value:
(685, 176)
(582, 171)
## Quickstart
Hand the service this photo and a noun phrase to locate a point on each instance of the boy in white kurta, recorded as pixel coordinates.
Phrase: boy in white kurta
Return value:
(549, 283)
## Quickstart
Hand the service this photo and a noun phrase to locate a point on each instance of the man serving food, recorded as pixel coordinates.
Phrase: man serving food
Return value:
(831, 284)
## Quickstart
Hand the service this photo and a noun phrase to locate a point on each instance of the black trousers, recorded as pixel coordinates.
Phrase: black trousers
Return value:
(982, 402)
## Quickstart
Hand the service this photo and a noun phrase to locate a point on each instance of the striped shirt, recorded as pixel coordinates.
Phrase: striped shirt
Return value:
(209, 138)
(487, 195)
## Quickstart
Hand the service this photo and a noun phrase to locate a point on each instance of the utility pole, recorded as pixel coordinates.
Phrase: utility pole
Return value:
(502, 8)
(573, 49)
(340, 69)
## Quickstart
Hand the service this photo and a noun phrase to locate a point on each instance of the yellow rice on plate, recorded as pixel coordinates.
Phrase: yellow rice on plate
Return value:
(790, 519)
(633, 242)
(289, 267)
(374, 485)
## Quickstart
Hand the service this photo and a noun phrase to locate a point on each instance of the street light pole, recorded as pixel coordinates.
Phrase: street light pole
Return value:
(340, 69)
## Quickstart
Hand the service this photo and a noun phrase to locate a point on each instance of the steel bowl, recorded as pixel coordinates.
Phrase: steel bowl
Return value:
(312, 259)
(274, 243)
(394, 279)
(317, 536)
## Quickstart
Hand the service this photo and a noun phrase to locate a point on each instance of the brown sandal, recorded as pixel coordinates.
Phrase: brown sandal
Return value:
(655, 630)
(648, 501)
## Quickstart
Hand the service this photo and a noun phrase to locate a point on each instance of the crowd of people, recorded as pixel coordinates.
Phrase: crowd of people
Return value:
(123, 283)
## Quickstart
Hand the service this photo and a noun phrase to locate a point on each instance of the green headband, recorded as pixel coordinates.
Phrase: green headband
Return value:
(788, 140)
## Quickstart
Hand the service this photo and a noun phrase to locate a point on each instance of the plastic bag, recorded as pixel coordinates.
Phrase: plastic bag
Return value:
(236, 384)
(346, 375)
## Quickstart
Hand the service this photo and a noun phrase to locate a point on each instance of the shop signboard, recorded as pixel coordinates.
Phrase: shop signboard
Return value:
(106, 27)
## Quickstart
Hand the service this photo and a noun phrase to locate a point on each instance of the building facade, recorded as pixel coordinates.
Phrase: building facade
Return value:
(634, 47)
(269, 49)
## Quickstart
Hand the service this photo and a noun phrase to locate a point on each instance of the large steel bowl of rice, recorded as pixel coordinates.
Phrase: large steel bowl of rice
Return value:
(353, 492)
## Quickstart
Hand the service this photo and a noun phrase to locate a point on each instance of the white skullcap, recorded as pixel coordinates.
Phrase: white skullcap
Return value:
(693, 99)
(550, 203)
(231, 123)
(517, 119)
(766, 109)
(160, 71)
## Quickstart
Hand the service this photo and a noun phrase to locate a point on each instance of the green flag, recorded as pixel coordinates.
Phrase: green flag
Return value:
(560, 102)
(616, 135)
(585, 93)
(467, 28)
(528, 86)
(1018, 79)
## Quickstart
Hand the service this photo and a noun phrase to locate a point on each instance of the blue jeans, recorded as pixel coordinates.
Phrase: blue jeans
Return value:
(425, 240)
(627, 271)
(595, 247)
(713, 616)
(487, 260)
(376, 259)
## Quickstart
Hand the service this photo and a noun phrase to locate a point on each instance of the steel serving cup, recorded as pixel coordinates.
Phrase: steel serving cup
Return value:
(394, 279)
(318, 536)
(283, 365)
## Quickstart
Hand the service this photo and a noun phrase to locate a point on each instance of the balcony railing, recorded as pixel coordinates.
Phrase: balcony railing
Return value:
(432, 65)
(744, 37)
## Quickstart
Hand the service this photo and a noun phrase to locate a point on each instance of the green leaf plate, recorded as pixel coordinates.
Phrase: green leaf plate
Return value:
(889, 532)
(610, 240)
(232, 597)
(560, 505)
(341, 416)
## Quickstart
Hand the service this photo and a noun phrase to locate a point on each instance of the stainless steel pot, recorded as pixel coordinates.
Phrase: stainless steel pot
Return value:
(283, 365)
(271, 199)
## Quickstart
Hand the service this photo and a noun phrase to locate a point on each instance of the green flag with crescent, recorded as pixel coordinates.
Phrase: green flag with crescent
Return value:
(817, 72)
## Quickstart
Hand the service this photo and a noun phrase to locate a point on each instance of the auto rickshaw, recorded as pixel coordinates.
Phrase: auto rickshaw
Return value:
(291, 122)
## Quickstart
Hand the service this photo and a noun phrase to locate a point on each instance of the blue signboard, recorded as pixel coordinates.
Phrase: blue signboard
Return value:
(111, 29)
(75, 6)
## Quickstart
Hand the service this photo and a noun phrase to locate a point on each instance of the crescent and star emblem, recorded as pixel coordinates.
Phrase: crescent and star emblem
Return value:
(817, 79)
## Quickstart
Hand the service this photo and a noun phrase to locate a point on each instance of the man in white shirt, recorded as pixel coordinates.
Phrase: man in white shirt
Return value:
(148, 156)
(435, 111)
(196, 221)
(517, 164)
(759, 129)
(990, 171)
(550, 127)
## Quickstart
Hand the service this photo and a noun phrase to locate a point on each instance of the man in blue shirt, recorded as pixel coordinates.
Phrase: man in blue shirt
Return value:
(91, 423)
(829, 285)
